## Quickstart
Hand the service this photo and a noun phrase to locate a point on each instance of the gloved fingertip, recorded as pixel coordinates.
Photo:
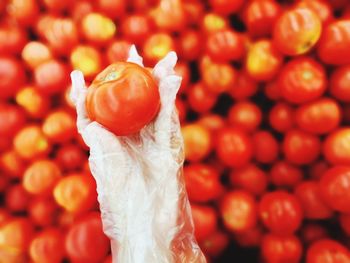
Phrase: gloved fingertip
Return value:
(134, 56)
(78, 83)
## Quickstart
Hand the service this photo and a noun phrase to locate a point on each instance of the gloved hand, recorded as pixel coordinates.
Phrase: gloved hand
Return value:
(143, 201)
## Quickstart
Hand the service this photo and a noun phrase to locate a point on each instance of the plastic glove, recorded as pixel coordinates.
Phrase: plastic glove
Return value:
(143, 201)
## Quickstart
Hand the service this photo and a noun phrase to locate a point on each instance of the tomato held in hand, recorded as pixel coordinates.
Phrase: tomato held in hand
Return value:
(124, 98)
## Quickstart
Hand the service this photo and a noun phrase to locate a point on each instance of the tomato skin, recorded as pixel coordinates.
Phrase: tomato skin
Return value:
(25, 12)
(190, 45)
(112, 8)
(132, 87)
(244, 86)
(118, 50)
(300, 147)
(334, 187)
(281, 249)
(301, 80)
(213, 122)
(97, 28)
(136, 28)
(320, 7)
(340, 83)
(205, 221)
(281, 117)
(327, 250)
(215, 244)
(245, 115)
(318, 117)
(249, 238)
(12, 76)
(17, 198)
(85, 240)
(333, 45)
(202, 183)
(35, 104)
(233, 147)
(280, 212)
(312, 232)
(156, 46)
(43, 211)
(285, 174)
(266, 148)
(70, 157)
(12, 39)
(226, 7)
(310, 199)
(296, 31)
(12, 164)
(12, 119)
(249, 178)
(336, 147)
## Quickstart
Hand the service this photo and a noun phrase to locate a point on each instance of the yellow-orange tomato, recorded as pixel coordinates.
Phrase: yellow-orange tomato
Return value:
(12, 163)
(212, 22)
(263, 60)
(40, 177)
(76, 192)
(297, 31)
(98, 28)
(32, 101)
(24, 11)
(197, 141)
(336, 147)
(157, 46)
(30, 142)
(87, 59)
(35, 53)
(59, 126)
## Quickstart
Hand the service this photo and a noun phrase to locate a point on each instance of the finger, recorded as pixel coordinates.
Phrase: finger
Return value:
(134, 57)
(165, 67)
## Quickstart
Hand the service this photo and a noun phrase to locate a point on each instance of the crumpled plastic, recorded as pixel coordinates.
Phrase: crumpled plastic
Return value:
(141, 191)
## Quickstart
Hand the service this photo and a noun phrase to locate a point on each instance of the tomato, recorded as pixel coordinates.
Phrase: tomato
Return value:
(313, 232)
(85, 240)
(344, 220)
(249, 178)
(47, 246)
(12, 39)
(333, 45)
(233, 147)
(244, 86)
(136, 28)
(75, 192)
(12, 76)
(280, 212)
(249, 238)
(87, 59)
(284, 174)
(302, 80)
(12, 164)
(239, 210)
(118, 50)
(300, 147)
(97, 28)
(266, 147)
(336, 147)
(215, 244)
(317, 169)
(281, 249)
(25, 12)
(80, 9)
(318, 117)
(43, 211)
(205, 221)
(200, 99)
(17, 198)
(263, 60)
(281, 117)
(41, 176)
(339, 83)
(260, 16)
(226, 7)
(112, 8)
(4, 216)
(320, 7)
(310, 199)
(56, 5)
(327, 250)
(70, 157)
(297, 31)
(129, 86)
(156, 46)
(12, 119)
(35, 53)
(213, 122)
(202, 183)
(272, 90)
(245, 115)
(212, 22)
(197, 141)
(190, 45)
(334, 187)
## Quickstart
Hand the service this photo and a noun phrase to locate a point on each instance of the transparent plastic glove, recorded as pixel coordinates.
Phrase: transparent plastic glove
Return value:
(143, 200)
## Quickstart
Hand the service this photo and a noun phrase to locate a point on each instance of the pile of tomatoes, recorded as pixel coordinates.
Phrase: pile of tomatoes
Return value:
(263, 106)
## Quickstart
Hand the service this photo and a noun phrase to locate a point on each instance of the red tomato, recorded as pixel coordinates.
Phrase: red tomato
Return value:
(249, 178)
(70, 157)
(12, 164)
(233, 147)
(284, 174)
(43, 211)
(249, 238)
(317, 169)
(112, 8)
(344, 220)
(17, 198)
(312, 232)
(266, 147)
(310, 199)
(335, 188)
(300, 147)
(281, 249)
(340, 83)
(12, 119)
(319, 116)
(205, 221)
(12, 76)
(129, 86)
(136, 28)
(336, 147)
(333, 47)
(245, 115)
(213, 122)
(118, 50)
(226, 7)
(215, 244)
(239, 211)
(297, 31)
(281, 212)
(281, 117)
(25, 12)
(12, 39)
(244, 86)
(85, 240)
(302, 80)
(260, 16)
(190, 45)
(272, 90)
(327, 250)
(80, 9)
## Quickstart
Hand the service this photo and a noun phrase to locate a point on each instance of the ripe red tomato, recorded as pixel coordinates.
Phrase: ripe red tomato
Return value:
(25, 12)
(12, 164)
(285, 174)
(266, 147)
(296, 31)
(317, 169)
(233, 147)
(312, 232)
(226, 7)
(136, 28)
(70, 157)
(190, 45)
(43, 211)
(85, 240)
(336, 147)
(280, 212)
(250, 238)
(327, 250)
(12, 39)
(320, 7)
(302, 80)
(118, 50)
(335, 188)
(215, 244)
(244, 86)
(245, 115)
(310, 199)
(300, 147)
(205, 221)
(112, 8)
(281, 249)
(202, 183)
(124, 98)
(156, 46)
(249, 178)
(12, 76)
(239, 210)
(200, 99)
(213, 122)
(333, 45)
(319, 117)
(12, 119)
(281, 117)
(340, 83)
(17, 198)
